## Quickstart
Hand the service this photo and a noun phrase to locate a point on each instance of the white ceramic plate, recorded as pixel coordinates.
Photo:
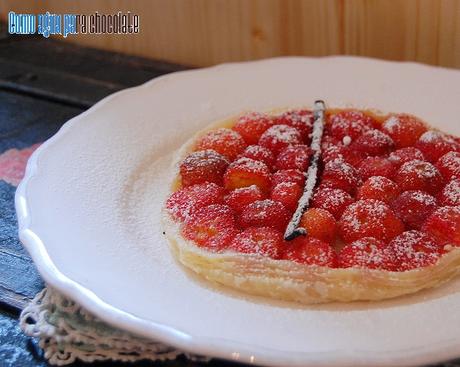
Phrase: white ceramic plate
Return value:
(89, 211)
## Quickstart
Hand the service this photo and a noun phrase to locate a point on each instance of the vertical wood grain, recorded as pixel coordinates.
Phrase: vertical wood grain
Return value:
(205, 32)
(449, 34)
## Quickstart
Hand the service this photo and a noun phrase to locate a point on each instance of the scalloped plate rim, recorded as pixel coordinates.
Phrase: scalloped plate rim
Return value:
(219, 348)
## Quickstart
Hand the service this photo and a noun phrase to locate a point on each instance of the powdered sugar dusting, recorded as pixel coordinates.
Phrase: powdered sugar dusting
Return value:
(285, 185)
(378, 137)
(339, 169)
(262, 241)
(294, 157)
(224, 141)
(449, 164)
(423, 197)
(450, 195)
(184, 202)
(331, 151)
(332, 200)
(282, 133)
(403, 155)
(374, 210)
(219, 135)
(369, 218)
(422, 169)
(378, 181)
(367, 252)
(259, 153)
(413, 207)
(392, 123)
(251, 165)
(349, 123)
(414, 249)
(252, 188)
(203, 158)
(252, 116)
(432, 136)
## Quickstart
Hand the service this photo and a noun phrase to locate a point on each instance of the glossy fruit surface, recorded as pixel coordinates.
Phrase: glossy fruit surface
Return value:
(224, 141)
(262, 241)
(369, 218)
(414, 249)
(310, 251)
(203, 166)
(368, 253)
(265, 213)
(246, 172)
(387, 195)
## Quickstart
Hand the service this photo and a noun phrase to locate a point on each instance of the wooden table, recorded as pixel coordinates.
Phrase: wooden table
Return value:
(43, 83)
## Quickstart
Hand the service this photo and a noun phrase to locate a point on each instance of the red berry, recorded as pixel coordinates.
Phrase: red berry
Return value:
(403, 155)
(329, 141)
(252, 125)
(449, 165)
(444, 225)
(404, 129)
(265, 213)
(434, 144)
(259, 153)
(310, 251)
(332, 151)
(333, 200)
(288, 194)
(203, 166)
(211, 227)
(239, 199)
(349, 123)
(352, 156)
(413, 207)
(414, 249)
(373, 142)
(320, 224)
(279, 137)
(224, 141)
(450, 194)
(184, 202)
(340, 175)
(379, 188)
(376, 166)
(262, 241)
(369, 218)
(294, 157)
(302, 120)
(288, 175)
(419, 175)
(367, 252)
(247, 172)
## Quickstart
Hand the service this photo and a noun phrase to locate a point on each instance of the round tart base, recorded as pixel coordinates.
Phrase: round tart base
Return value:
(289, 281)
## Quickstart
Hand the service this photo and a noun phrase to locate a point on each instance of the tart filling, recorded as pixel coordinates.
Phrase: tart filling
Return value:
(384, 219)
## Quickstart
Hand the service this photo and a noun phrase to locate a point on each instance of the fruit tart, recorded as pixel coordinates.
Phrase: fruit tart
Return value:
(318, 206)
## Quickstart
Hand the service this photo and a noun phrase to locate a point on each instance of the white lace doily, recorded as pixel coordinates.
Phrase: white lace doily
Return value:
(66, 332)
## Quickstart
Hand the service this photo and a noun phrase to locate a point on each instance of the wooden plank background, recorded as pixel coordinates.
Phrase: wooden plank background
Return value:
(206, 32)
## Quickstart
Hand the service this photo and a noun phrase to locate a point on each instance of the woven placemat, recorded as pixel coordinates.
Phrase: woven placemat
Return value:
(67, 333)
